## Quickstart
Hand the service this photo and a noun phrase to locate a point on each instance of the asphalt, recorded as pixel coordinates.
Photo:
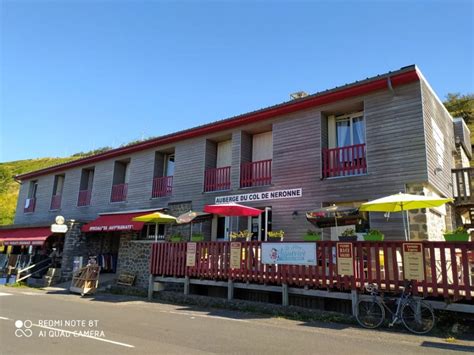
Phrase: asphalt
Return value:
(107, 324)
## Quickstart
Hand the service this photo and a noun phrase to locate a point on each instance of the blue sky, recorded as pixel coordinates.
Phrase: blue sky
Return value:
(79, 75)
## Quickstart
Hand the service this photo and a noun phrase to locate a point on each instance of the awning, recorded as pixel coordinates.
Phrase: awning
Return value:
(24, 236)
(114, 222)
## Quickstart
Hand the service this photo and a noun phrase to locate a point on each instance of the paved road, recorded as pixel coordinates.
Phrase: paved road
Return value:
(116, 325)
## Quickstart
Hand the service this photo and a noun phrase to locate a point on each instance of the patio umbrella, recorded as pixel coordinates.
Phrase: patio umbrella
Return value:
(192, 217)
(403, 202)
(232, 210)
(155, 217)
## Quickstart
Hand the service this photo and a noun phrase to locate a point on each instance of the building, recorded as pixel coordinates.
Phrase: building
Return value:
(344, 146)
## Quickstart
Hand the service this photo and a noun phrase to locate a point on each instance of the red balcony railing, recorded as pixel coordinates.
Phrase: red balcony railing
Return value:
(257, 173)
(217, 179)
(84, 198)
(162, 186)
(344, 161)
(30, 204)
(56, 202)
(119, 192)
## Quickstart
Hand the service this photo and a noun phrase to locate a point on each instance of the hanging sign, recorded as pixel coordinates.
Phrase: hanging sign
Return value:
(191, 254)
(58, 228)
(235, 255)
(261, 196)
(289, 253)
(413, 265)
(345, 259)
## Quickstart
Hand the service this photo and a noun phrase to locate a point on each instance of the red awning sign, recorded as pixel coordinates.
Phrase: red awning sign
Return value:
(115, 223)
(24, 236)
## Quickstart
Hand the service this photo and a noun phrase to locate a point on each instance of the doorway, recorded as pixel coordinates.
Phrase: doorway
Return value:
(261, 225)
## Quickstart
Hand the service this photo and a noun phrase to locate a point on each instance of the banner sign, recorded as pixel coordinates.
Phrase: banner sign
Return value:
(345, 259)
(413, 265)
(235, 255)
(289, 253)
(191, 254)
(261, 196)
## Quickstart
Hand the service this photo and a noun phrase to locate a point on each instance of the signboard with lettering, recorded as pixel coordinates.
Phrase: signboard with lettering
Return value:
(261, 196)
(413, 265)
(289, 253)
(345, 259)
(191, 254)
(235, 255)
(58, 228)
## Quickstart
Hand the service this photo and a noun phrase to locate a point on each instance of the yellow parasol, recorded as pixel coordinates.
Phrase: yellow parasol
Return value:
(155, 217)
(403, 202)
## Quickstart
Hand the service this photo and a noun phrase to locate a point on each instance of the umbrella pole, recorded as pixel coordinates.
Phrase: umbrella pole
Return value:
(405, 224)
(156, 232)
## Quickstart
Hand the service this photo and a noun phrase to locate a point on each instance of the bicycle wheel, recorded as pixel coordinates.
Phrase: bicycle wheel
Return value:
(418, 317)
(370, 314)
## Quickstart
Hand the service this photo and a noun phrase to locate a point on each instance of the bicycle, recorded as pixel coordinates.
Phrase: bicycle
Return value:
(416, 315)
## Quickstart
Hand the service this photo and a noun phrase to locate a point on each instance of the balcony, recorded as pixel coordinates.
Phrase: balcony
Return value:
(217, 179)
(84, 198)
(162, 186)
(463, 186)
(344, 161)
(257, 173)
(55, 202)
(30, 204)
(119, 193)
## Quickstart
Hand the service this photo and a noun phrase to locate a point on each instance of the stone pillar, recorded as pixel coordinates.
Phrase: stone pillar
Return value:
(74, 245)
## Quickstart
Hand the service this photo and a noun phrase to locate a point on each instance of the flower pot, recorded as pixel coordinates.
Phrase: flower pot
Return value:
(373, 237)
(348, 238)
(312, 238)
(456, 237)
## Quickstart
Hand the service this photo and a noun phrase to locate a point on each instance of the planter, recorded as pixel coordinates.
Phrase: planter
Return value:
(373, 237)
(349, 238)
(312, 238)
(239, 239)
(456, 237)
(175, 239)
(196, 238)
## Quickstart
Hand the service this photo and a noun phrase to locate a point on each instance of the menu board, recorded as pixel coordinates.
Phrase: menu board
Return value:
(413, 266)
(191, 254)
(235, 255)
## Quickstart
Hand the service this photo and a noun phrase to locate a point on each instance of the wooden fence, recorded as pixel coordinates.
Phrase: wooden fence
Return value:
(448, 267)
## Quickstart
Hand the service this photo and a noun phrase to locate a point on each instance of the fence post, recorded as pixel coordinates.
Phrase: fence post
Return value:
(284, 296)
(151, 285)
(230, 290)
(354, 299)
(186, 285)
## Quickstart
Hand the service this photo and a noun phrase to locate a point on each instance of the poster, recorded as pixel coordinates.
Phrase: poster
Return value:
(191, 254)
(413, 265)
(345, 259)
(235, 255)
(289, 253)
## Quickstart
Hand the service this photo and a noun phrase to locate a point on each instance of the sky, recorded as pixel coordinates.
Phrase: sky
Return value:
(80, 75)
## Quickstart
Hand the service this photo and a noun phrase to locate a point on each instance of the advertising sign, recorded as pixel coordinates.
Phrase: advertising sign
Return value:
(58, 228)
(289, 253)
(413, 265)
(345, 259)
(235, 255)
(191, 254)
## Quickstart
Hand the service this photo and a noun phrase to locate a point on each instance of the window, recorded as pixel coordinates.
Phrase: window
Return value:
(120, 181)
(85, 188)
(30, 201)
(350, 130)
(149, 232)
(169, 165)
(57, 192)
(163, 175)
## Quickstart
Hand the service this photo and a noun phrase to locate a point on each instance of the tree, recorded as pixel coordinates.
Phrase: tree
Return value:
(461, 106)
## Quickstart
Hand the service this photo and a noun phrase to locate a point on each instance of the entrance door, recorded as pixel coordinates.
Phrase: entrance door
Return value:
(261, 225)
(222, 228)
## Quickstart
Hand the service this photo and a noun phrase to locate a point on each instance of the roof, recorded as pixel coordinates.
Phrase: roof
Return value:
(405, 75)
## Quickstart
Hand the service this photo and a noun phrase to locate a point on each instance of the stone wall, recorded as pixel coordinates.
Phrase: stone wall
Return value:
(134, 257)
(74, 245)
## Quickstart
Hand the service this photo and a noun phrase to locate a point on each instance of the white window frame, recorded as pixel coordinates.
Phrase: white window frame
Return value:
(351, 117)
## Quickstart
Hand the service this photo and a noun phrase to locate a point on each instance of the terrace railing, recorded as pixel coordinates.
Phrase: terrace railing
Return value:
(84, 198)
(162, 186)
(257, 173)
(55, 202)
(344, 161)
(119, 193)
(448, 268)
(30, 204)
(463, 185)
(217, 179)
